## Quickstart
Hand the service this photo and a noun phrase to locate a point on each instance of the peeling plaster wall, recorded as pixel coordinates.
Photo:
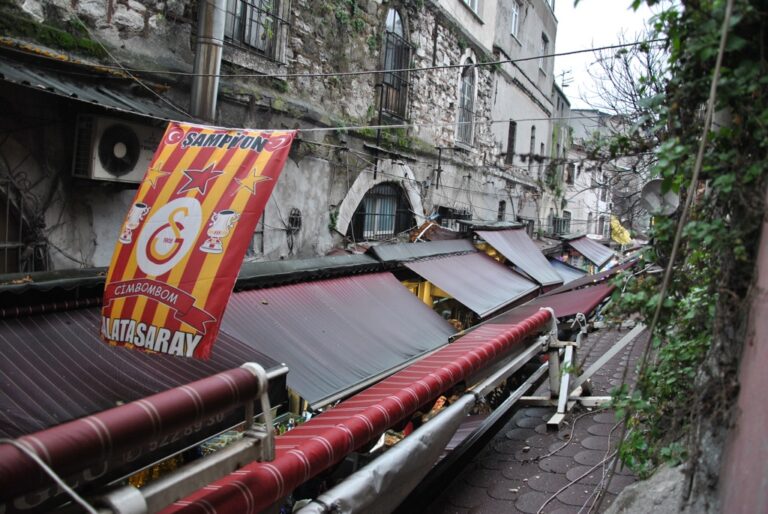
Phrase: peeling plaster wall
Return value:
(323, 37)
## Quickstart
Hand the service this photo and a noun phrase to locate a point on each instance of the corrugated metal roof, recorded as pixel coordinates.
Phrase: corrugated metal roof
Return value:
(336, 335)
(85, 89)
(588, 280)
(271, 273)
(516, 246)
(594, 251)
(475, 280)
(568, 273)
(55, 369)
(404, 252)
(565, 305)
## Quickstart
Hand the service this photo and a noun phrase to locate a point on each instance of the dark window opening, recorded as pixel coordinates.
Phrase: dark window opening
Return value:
(530, 225)
(511, 136)
(254, 25)
(294, 220)
(466, 105)
(383, 213)
(449, 218)
(22, 249)
(397, 57)
(502, 210)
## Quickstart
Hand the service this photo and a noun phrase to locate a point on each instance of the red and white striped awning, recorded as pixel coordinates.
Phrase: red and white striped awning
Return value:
(326, 439)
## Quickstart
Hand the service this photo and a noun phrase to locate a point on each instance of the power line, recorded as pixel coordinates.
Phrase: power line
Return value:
(375, 71)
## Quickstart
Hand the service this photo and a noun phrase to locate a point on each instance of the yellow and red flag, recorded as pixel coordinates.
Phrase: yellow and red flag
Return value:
(184, 238)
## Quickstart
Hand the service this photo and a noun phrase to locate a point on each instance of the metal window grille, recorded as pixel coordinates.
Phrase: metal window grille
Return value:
(254, 25)
(21, 248)
(397, 56)
(382, 214)
(466, 106)
(562, 225)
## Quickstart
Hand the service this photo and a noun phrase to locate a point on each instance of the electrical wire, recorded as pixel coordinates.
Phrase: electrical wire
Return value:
(385, 71)
(51, 473)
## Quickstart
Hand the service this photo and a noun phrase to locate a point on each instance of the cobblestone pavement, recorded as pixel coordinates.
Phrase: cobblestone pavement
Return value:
(526, 469)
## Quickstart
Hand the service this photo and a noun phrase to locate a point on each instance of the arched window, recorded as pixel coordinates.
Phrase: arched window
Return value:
(466, 104)
(397, 56)
(383, 213)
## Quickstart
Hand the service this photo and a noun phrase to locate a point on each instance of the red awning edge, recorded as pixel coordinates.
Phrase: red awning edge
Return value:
(326, 439)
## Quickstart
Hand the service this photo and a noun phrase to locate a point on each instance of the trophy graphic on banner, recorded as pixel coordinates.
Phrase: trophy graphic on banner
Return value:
(132, 222)
(221, 224)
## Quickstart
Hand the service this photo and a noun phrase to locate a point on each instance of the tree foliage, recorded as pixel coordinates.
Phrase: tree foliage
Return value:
(689, 387)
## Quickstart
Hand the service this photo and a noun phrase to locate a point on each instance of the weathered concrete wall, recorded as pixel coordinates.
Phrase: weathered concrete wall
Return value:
(324, 37)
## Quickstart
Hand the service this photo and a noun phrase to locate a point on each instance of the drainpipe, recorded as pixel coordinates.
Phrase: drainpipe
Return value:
(210, 42)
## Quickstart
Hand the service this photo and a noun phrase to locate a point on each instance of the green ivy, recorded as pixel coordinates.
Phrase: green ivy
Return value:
(692, 373)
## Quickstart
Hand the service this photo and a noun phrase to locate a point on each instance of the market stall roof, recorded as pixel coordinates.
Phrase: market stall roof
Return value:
(592, 250)
(403, 252)
(326, 439)
(566, 272)
(55, 368)
(516, 246)
(565, 305)
(588, 280)
(475, 280)
(338, 335)
(70, 80)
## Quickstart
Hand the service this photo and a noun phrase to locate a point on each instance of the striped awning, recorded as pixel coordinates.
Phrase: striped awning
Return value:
(325, 440)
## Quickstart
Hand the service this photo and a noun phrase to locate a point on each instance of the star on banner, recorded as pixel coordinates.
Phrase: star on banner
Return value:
(250, 181)
(154, 174)
(198, 179)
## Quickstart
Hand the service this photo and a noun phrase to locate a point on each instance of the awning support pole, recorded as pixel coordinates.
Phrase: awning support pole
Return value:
(564, 389)
(257, 445)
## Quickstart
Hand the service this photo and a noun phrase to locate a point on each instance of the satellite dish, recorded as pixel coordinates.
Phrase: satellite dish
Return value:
(656, 202)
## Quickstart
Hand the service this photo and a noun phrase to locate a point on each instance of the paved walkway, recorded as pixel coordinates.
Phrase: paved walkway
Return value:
(526, 469)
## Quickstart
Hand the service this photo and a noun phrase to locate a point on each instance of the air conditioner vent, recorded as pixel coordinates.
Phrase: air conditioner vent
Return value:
(113, 150)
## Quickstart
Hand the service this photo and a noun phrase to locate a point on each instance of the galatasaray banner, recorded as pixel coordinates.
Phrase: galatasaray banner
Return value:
(184, 238)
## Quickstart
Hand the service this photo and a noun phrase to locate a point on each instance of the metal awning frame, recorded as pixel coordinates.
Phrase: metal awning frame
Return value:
(565, 388)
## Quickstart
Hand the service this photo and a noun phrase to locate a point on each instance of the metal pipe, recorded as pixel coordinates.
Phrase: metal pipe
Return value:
(115, 435)
(208, 50)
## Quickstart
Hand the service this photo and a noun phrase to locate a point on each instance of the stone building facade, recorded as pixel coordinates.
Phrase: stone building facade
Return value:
(378, 154)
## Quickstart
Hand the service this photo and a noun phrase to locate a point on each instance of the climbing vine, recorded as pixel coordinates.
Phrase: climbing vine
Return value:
(688, 388)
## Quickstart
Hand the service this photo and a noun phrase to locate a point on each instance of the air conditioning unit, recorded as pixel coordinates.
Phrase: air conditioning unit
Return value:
(113, 149)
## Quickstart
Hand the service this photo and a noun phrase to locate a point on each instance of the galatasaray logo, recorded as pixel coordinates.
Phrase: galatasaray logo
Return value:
(168, 235)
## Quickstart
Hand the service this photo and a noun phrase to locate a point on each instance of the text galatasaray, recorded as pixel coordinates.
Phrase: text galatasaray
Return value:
(150, 337)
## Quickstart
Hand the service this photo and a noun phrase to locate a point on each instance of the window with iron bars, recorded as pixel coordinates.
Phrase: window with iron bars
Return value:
(562, 225)
(22, 249)
(254, 25)
(397, 57)
(466, 105)
(383, 213)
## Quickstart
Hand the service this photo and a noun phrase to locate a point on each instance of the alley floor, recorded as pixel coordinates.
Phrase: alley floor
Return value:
(526, 469)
